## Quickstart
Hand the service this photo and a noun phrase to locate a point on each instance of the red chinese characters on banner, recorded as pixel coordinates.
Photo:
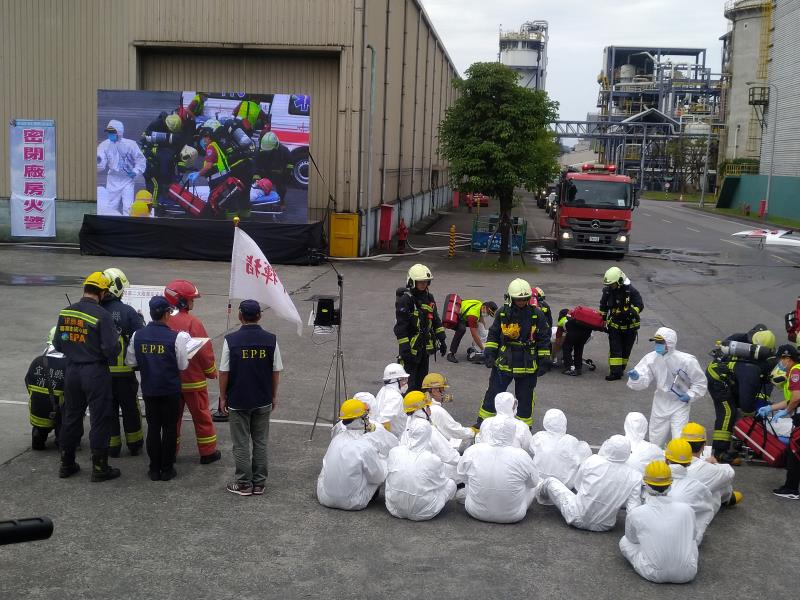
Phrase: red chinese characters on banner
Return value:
(32, 153)
(255, 267)
(31, 205)
(33, 136)
(33, 171)
(33, 222)
(34, 188)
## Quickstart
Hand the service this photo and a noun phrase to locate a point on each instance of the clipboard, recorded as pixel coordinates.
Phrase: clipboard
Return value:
(681, 384)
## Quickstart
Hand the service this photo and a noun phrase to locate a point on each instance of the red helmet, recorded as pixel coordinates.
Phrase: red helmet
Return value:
(539, 293)
(179, 291)
(265, 185)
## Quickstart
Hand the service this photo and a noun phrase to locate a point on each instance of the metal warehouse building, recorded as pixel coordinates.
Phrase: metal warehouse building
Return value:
(56, 54)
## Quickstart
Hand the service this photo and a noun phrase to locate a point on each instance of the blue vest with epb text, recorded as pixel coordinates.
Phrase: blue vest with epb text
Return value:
(155, 354)
(252, 351)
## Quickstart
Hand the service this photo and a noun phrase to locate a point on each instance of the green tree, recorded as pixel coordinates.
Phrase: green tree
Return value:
(495, 137)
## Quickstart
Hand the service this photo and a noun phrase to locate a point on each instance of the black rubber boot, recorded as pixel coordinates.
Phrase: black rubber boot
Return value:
(114, 451)
(68, 464)
(210, 458)
(100, 469)
(135, 448)
(37, 439)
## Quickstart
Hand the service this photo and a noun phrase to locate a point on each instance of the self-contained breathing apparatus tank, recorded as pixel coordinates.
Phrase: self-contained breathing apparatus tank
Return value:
(744, 350)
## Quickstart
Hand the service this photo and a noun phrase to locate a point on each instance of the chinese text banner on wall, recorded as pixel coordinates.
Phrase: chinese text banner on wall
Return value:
(32, 158)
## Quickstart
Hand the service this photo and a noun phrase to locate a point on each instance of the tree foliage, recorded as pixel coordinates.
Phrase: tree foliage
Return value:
(495, 137)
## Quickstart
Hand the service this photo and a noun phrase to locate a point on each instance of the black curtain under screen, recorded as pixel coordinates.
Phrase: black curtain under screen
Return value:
(185, 239)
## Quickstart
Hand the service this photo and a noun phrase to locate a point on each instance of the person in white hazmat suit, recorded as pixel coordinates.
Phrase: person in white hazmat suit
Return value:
(389, 401)
(434, 386)
(659, 535)
(717, 477)
(123, 161)
(416, 487)
(506, 406)
(352, 469)
(501, 480)
(380, 438)
(555, 452)
(642, 451)
(679, 380)
(418, 407)
(604, 484)
(678, 455)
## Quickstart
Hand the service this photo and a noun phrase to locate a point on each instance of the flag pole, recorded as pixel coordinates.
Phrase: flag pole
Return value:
(219, 415)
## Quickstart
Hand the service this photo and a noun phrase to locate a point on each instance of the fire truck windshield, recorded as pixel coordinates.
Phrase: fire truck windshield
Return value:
(598, 194)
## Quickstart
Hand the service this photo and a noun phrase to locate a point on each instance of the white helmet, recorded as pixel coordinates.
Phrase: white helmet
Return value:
(418, 273)
(393, 372)
(519, 289)
(188, 154)
(118, 281)
(614, 275)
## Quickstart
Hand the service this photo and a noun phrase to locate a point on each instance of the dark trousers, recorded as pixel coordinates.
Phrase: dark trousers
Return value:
(792, 471)
(417, 371)
(87, 385)
(524, 390)
(725, 411)
(575, 338)
(159, 173)
(162, 413)
(457, 335)
(620, 345)
(125, 389)
(41, 406)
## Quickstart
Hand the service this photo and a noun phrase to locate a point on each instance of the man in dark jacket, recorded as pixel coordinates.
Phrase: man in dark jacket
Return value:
(620, 305)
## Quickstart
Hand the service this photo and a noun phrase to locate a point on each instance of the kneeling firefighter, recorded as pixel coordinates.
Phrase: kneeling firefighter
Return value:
(517, 349)
(45, 384)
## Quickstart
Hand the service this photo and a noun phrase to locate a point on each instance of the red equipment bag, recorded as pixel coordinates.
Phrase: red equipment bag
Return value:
(452, 311)
(792, 320)
(223, 197)
(188, 201)
(587, 316)
(764, 443)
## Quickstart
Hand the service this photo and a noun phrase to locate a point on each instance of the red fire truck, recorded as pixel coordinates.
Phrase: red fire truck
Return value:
(594, 211)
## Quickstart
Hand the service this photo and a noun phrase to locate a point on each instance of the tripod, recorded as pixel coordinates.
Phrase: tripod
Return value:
(337, 362)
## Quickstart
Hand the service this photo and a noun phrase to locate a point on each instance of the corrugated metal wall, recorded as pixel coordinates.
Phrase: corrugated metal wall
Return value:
(784, 74)
(260, 73)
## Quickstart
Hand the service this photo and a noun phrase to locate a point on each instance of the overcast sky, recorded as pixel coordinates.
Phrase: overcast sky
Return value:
(579, 30)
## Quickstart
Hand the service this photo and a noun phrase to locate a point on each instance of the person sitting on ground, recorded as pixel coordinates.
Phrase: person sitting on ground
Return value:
(604, 484)
(659, 535)
(555, 452)
(416, 486)
(352, 470)
(686, 489)
(642, 451)
(717, 477)
(501, 480)
(417, 406)
(389, 401)
(506, 406)
(434, 386)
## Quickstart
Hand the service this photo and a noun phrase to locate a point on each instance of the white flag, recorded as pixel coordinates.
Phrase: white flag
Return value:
(253, 278)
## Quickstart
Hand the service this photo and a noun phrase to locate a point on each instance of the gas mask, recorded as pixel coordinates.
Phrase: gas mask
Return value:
(369, 427)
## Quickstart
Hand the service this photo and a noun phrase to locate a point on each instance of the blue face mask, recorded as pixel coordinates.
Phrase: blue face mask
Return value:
(203, 144)
(660, 348)
(112, 137)
(781, 367)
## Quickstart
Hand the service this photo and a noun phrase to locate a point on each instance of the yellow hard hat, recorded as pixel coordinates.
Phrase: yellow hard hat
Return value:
(657, 473)
(352, 409)
(434, 380)
(764, 338)
(117, 281)
(140, 208)
(519, 289)
(613, 275)
(98, 280)
(678, 451)
(143, 196)
(173, 123)
(694, 432)
(414, 401)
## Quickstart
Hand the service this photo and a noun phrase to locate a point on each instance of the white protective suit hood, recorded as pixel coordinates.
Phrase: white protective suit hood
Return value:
(369, 400)
(555, 421)
(635, 427)
(504, 404)
(418, 434)
(669, 336)
(616, 449)
(118, 127)
(499, 432)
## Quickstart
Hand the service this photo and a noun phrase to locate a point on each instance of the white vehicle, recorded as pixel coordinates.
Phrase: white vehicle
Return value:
(771, 237)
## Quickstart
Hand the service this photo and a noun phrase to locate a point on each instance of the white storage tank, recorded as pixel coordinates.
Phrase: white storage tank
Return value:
(626, 73)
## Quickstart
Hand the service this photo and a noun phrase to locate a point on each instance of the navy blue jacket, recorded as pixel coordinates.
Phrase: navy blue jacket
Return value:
(154, 346)
(252, 351)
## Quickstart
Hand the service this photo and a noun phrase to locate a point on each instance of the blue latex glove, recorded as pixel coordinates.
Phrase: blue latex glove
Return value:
(781, 413)
(634, 376)
(192, 176)
(764, 411)
(684, 397)
(130, 173)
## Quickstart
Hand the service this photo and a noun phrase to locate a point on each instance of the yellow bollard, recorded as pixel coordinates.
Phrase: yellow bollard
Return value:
(451, 252)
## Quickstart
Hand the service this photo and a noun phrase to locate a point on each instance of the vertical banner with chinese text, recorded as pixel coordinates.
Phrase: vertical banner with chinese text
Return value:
(32, 158)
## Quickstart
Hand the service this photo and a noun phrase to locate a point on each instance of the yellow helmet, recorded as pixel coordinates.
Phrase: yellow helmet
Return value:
(764, 338)
(352, 409)
(434, 380)
(613, 275)
(694, 432)
(778, 375)
(144, 196)
(98, 280)
(414, 401)
(657, 473)
(678, 451)
(519, 289)
(173, 123)
(418, 273)
(117, 281)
